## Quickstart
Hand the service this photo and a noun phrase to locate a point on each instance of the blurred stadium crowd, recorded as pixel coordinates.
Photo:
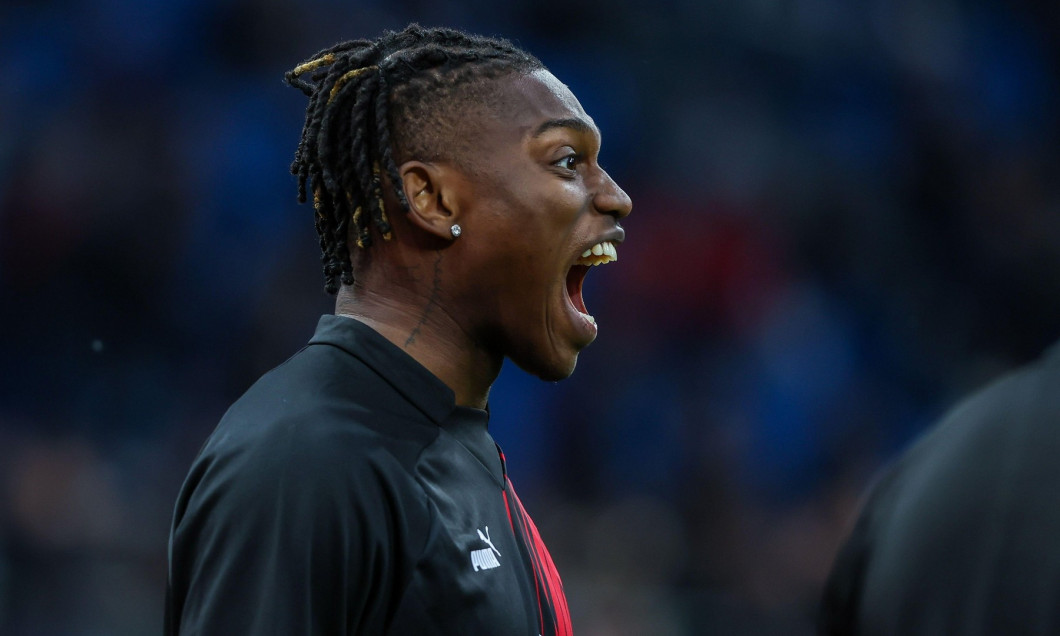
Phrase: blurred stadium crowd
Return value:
(845, 217)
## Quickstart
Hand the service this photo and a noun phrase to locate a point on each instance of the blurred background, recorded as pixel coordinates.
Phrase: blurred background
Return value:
(845, 218)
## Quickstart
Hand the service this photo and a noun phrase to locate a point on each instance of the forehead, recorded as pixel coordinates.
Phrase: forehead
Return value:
(531, 100)
(541, 95)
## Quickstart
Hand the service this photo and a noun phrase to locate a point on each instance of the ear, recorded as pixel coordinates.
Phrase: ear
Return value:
(430, 191)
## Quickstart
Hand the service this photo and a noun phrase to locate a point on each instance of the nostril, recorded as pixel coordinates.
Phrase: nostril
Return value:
(613, 200)
(619, 209)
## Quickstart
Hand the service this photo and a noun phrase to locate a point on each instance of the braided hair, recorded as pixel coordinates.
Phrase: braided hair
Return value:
(371, 101)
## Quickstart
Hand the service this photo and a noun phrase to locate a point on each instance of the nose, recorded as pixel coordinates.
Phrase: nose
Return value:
(611, 199)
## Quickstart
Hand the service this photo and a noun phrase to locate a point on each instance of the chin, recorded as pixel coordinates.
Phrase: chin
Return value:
(552, 370)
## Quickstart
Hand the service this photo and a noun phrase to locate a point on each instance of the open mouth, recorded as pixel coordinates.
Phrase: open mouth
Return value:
(603, 252)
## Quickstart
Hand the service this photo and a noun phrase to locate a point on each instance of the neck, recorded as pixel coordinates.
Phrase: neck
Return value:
(422, 328)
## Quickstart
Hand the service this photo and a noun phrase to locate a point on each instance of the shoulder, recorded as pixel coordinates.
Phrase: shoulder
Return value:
(323, 381)
(320, 429)
(968, 509)
(307, 484)
(985, 436)
(323, 402)
(978, 455)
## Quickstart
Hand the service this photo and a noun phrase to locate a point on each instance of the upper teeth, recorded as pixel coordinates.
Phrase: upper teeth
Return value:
(599, 254)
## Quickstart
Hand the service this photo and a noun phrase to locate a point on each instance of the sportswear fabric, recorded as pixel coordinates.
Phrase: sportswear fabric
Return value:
(346, 493)
(962, 534)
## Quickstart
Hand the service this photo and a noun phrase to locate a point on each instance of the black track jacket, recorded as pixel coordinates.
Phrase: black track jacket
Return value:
(345, 493)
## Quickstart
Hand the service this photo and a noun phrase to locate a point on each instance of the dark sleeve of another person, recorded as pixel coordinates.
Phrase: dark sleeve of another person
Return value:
(288, 539)
(838, 612)
(962, 535)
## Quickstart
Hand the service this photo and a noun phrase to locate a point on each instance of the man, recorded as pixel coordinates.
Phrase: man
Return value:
(355, 488)
(962, 535)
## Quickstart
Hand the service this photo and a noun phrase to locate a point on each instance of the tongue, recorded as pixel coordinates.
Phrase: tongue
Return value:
(575, 278)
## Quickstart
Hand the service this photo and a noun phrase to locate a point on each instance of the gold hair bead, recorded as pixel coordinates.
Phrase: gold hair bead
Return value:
(347, 77)
(379, 200)
(312, 64)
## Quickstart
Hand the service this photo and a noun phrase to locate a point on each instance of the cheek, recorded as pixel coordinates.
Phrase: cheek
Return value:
(528, 231)
(535, 235)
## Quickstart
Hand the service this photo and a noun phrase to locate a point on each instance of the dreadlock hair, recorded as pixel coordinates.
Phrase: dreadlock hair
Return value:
(371, 100)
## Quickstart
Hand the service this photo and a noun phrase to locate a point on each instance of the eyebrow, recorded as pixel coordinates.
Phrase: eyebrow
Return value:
(573, 123)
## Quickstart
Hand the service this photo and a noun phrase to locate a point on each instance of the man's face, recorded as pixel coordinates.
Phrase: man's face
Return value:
(536, 200)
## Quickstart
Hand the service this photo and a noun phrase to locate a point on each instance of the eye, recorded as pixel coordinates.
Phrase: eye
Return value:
(569, 162)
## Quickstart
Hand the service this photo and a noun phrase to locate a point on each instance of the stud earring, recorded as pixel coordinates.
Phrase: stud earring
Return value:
(455, 230)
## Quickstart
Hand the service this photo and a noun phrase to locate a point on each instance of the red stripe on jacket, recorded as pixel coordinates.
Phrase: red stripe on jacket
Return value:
(544, 568)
